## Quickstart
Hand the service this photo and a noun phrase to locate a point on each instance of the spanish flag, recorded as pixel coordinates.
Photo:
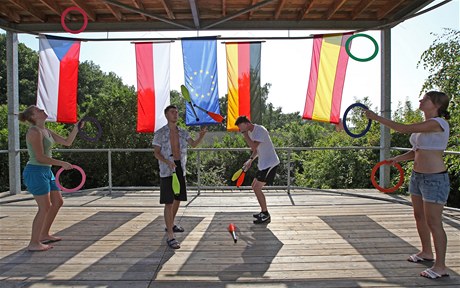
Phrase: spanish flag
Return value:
(327, 76)
(243, 81)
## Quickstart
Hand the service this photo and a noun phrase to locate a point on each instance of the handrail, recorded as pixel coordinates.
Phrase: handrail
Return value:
(289, 150)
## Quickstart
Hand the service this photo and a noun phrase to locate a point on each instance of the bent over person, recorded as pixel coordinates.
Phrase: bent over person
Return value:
(258, 139)
(170, 148)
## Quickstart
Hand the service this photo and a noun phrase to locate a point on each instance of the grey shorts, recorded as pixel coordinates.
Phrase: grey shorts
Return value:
(432, 187)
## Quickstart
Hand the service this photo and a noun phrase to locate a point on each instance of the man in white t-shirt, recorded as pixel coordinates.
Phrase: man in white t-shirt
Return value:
(258, 139)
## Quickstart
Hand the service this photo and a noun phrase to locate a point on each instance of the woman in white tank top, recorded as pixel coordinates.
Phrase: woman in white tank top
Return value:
(429, 185)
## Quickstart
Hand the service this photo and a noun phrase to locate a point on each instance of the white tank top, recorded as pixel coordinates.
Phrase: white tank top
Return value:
(431, 140)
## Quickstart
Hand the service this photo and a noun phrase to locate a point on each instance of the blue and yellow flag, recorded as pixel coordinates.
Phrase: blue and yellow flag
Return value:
(200, 75)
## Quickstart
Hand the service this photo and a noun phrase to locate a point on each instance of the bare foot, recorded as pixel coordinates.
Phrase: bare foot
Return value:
(50, 239)
(38, 247)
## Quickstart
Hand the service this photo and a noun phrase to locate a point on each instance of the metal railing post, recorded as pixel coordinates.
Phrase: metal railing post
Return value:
(109, 160)
(289, 171)
(198, 160)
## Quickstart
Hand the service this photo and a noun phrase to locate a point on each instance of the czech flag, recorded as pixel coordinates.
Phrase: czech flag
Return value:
(243, 81)
(327, 76)
(58, 78)
(153, 78)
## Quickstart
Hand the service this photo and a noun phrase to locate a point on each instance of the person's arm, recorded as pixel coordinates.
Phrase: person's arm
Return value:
(65, 141)
(409, 155)
(35, 138)
(422, 127)
(160, 157)
(200, 137)
(252, 144)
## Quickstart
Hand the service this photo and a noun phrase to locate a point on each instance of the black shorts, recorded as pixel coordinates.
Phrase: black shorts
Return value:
(166, 192)
(267, 175)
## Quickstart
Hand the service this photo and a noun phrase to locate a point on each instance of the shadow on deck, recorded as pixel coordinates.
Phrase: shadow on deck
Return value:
(317, 238)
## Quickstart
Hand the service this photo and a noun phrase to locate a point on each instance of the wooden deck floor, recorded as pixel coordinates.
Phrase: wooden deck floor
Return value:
(315, 239)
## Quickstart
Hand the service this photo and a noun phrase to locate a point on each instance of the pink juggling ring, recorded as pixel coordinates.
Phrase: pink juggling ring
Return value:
(83, 179)
(85, 19)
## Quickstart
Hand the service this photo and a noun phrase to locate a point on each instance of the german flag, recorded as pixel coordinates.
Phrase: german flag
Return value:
(243, 81)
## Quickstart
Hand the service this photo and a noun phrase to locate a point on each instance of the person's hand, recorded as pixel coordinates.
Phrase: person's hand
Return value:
(66, 165)
(172, 165)
(370, 115)
(247, 164)
(391, 161)
(203, 130)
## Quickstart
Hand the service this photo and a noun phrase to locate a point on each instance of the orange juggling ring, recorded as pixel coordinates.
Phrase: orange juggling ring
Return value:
(387, 190)
(83, 179)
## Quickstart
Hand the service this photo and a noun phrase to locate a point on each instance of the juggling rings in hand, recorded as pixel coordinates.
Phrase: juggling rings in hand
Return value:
(83, 179)
(85, 19)
(347, 48)
(344, 121)
(84, 135)
(387, 190)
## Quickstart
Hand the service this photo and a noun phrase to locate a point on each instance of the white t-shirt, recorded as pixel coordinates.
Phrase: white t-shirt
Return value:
(266, 151)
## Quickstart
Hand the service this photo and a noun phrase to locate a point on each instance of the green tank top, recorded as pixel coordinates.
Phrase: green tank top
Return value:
(48, 143)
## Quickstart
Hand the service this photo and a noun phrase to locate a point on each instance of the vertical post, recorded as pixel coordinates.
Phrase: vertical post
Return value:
(13, 111)
(289, 171)
(198, 176)
(385, 104)
(109, 161)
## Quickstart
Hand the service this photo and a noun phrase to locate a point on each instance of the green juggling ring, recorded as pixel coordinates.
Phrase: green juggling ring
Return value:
(347, 48)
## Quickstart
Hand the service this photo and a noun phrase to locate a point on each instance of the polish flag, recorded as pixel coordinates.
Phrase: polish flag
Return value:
(153, 91)
(58, 78)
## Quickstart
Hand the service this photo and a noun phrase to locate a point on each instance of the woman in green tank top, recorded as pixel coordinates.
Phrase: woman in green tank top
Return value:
(39, 178)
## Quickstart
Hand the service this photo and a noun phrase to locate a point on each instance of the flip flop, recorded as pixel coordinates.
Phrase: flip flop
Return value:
(176, 229)
(173, 243)
(430, 274)
(414, 258)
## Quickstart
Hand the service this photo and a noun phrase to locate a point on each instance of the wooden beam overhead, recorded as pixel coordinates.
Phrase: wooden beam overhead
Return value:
(115, 11)
(53, 6)
(168, 9)
(305, 9)
(224, 8)
(91, 15)
(8, 13)
(363, 5)
(138, 4)
(195, 14)
(279, 9)
(26, 6)
(335, 7)
(389, 7)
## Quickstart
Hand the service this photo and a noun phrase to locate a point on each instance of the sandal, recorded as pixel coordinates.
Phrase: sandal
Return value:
(176, 229)
(173, 243)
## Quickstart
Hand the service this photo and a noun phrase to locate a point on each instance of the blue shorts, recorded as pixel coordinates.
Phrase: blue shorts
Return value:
(39, 179)
(432, 187)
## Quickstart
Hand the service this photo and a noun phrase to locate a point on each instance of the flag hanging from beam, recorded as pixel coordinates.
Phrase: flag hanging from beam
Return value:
(243, 81)
(327, 76)
(58, 78)
(200, 75)
(153, 78)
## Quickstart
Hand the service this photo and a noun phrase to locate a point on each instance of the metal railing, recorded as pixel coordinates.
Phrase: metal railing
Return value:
(288, 150)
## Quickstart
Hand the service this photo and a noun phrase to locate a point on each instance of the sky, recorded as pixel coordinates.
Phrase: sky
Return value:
(285, 64)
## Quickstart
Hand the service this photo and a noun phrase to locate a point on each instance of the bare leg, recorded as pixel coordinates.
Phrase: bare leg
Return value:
(169, 220)
(44, 204)
(56, 204)
(433, 215)
(257, 187)
(175, 208)
(422, 227)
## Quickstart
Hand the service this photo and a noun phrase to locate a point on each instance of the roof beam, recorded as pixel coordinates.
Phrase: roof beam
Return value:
(143, 12)
(115, 11)
(360, 8)
(138, 4)
(53, 6)
(195, 15)
(279, 8)
(224, 8)
(11, 15)
(305, 9)
(168, 9)
(91, 15)
(241, 12)
(384, 11)
(27, 7)
(254, 2)
(335, 7)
